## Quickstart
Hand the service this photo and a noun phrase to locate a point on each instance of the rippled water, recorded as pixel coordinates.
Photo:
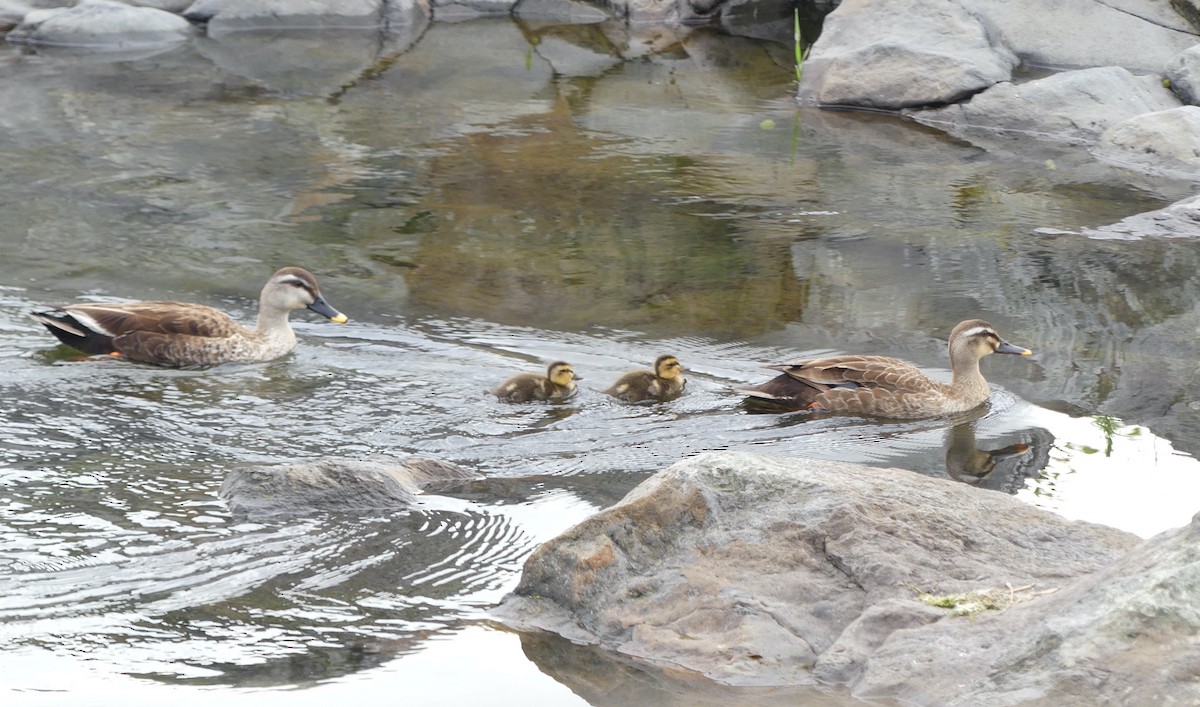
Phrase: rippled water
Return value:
(478, 204)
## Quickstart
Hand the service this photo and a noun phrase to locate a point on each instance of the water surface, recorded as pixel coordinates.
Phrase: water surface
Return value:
(487, 200)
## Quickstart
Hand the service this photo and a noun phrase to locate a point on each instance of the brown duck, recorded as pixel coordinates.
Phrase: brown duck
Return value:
(187, 335)
(556, 385)
(665, 382)
(880, 386)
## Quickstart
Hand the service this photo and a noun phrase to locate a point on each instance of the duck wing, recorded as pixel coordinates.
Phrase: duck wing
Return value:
(133, 327)
(168, 318)
(874, 372)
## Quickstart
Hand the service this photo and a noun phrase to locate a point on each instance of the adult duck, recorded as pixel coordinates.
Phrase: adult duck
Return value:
(181, 334)
(879, 386)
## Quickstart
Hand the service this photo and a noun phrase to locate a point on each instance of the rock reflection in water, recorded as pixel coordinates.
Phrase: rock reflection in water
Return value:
(606, 679)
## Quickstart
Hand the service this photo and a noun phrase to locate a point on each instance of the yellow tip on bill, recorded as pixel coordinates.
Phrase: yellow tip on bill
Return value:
(340, 318)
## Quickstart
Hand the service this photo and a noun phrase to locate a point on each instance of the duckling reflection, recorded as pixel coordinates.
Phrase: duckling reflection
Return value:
(556, 385)
(1002, 469)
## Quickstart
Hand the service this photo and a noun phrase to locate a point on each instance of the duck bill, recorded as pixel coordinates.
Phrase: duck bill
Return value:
(320, 306)
(1008, 348)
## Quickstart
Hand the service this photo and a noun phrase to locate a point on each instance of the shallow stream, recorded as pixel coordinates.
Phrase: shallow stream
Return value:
(487, 200)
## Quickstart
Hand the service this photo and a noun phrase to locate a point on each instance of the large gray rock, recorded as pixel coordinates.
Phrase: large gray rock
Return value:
(1125, 635)
(888, 54)
(759, 571)
(1183, 72)
(898, 54)
(1139, 35)
(1071, 107)
(1165, 142)
(333, 484)
(102, 24)
(1179, 220)
(238, 15)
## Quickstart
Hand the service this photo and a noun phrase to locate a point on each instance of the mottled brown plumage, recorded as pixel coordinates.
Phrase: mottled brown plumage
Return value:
(880, 386)
(664, 383)
(180, 334)
(556, 385)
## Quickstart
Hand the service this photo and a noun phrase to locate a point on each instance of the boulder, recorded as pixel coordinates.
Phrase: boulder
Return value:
(891, 55)
(1070, 107)
(238, 15)
(102, 24)
(1179, 220)
(1124, 635)
(943, 54)
(334, 484)
(754, 570)
(1139, 35)
(1183, 73)
(1165, 142)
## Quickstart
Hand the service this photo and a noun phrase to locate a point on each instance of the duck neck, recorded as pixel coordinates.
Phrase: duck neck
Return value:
(272, 322)
(968, 380)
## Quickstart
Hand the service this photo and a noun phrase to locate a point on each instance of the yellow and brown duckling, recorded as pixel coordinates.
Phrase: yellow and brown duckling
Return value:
(664, 383)
(186, 335)
(556, 385)
(880, 386)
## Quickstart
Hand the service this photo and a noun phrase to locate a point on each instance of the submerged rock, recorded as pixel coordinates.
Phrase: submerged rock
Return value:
(1179, 220)
(759, 571)
(102, 24)
(333, 484)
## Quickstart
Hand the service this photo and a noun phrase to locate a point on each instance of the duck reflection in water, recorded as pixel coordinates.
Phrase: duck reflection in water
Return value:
(1001, 469)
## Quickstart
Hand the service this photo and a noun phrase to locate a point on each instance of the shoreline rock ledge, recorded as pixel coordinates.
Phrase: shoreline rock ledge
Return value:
(761, 571)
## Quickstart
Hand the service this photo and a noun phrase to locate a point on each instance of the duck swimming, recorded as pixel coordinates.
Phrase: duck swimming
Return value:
(664, 383)
(880, 386)
(556, 385)
(180, 334)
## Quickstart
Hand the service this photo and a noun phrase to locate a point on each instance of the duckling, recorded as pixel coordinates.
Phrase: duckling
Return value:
(180, 334)
(557, 385)
(664, 383)
(880, 386)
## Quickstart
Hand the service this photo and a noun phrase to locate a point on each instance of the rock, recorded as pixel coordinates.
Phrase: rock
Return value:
(1071, 107)
(1165, 143)
(559, 12)
(1189, 10)
(645, 12)
(1139, 35)
(175, 6)
(102, 24)
(943, 54)
(1124, 635)
(333, 484)
(12, 12)
(239, 15)
(1179, 220)
(759, 571)
(1184, 74)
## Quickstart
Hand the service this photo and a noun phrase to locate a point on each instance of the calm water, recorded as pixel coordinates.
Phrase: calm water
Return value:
(487, 200)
